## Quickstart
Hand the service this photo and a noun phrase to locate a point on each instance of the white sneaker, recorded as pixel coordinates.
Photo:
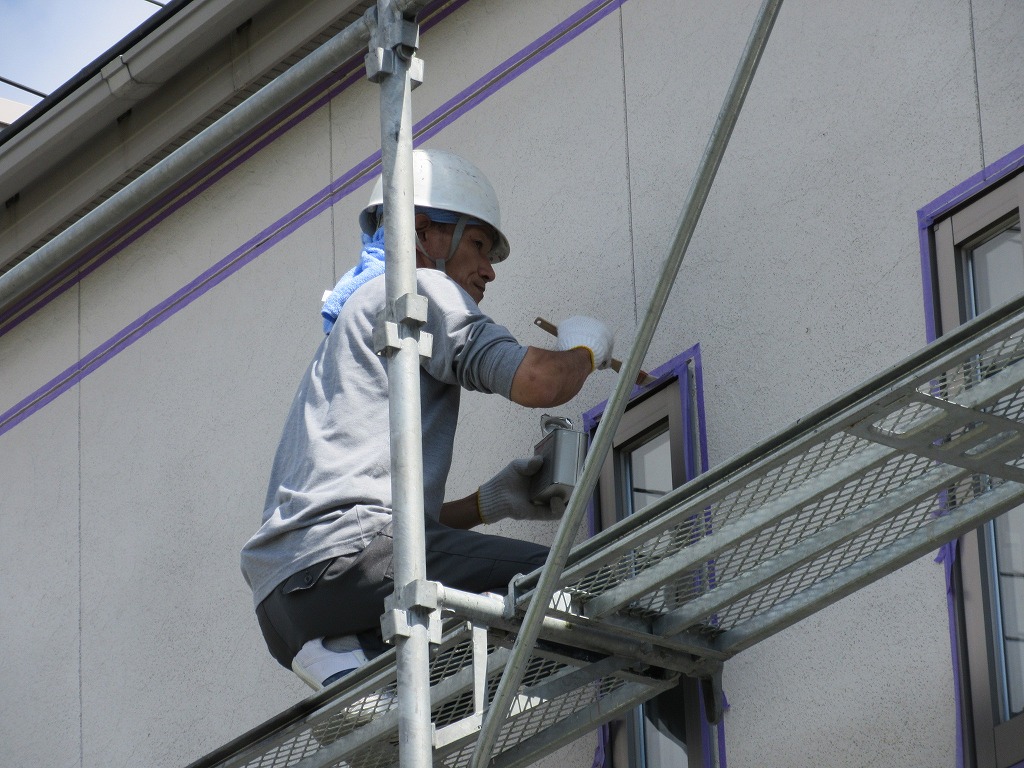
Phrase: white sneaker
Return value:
(318, 664)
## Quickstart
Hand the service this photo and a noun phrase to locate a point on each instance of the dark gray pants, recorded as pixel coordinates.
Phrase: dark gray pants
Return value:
(345, 596)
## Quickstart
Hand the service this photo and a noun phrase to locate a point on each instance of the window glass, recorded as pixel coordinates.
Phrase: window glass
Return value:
(997, 268)
(659, 724)
(1009, 559)
(648, 469)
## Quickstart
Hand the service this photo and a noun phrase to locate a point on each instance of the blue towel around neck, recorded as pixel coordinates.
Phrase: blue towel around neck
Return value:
(371, 265)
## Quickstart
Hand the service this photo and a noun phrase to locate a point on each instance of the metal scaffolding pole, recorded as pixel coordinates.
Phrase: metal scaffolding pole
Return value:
(409, 619)
(701, 187)
(57, 253)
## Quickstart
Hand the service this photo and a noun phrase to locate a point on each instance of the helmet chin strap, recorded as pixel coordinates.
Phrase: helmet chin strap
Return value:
(460, 228)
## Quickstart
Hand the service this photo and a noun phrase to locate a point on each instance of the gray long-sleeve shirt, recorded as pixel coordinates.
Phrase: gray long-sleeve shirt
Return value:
(330, 485)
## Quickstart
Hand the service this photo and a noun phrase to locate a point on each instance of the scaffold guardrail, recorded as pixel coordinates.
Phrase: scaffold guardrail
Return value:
(917, 456)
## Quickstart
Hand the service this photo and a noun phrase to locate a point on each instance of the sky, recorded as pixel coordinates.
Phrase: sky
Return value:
(47, 42)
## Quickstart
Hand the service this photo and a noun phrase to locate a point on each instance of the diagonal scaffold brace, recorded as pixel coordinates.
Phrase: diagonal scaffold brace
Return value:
(498, 711)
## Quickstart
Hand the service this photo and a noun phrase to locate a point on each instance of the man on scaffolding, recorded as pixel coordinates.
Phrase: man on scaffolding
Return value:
(320, 564)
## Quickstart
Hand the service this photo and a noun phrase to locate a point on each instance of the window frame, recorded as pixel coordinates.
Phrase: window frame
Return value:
(676, 396)
(949, 228)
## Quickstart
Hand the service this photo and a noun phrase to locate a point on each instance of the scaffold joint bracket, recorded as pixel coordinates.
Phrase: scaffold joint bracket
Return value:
(409, 310)
(414, 605)
(386, 337)
(395, 42)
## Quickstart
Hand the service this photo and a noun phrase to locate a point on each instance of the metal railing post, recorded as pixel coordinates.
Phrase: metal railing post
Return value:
(698, 194)
(408, 620)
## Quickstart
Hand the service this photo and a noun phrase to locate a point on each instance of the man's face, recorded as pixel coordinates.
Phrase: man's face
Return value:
(469, 266)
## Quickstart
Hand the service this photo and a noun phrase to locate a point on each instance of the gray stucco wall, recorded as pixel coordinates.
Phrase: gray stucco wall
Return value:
(127, 636)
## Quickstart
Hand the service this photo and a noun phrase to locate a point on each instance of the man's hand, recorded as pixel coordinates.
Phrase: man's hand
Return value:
(590, 334)
(507, 494)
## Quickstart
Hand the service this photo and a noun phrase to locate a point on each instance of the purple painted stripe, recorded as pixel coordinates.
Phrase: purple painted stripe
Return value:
(931, 320)
(516, 65)
(431, 17)
(40, 398)
(348, 74)
(702, 431)
(257, 245)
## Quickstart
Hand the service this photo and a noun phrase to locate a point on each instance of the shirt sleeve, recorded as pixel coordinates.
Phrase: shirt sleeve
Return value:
(469, 348)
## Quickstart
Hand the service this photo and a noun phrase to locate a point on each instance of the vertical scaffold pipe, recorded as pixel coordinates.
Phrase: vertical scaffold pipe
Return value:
(698, 194)
(413, 649)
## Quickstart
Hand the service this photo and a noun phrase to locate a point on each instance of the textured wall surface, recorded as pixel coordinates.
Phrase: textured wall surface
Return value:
(127, 636)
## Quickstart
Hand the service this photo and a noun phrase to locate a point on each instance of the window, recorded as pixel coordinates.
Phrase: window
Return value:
(978, 264)
(658, 446)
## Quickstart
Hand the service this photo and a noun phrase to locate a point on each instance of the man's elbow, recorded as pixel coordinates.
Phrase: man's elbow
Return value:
(546, 378)
(535, 391)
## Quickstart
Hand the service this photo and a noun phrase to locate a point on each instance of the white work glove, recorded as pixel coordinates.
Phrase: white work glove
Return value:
(591, 334)
(507, 494)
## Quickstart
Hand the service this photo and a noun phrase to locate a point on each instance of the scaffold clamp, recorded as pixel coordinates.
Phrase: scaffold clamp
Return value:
(409, 310)
(415, 604)
(390, 43)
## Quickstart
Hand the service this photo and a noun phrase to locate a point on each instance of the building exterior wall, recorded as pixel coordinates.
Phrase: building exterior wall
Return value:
(127, 632)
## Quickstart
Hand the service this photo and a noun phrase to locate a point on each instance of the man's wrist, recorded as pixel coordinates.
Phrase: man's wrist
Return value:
(479, 509)
(590, 355)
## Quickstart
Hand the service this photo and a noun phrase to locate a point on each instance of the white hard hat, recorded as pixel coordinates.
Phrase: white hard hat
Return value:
(444, 181)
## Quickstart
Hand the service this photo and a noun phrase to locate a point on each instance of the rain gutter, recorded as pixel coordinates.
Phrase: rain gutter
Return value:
(92, 69)
(321, 63)
(112, 84)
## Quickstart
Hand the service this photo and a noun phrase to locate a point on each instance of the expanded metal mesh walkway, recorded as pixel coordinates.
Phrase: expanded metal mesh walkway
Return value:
(915, 457)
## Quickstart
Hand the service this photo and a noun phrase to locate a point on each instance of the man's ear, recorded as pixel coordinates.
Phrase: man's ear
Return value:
(422, 224)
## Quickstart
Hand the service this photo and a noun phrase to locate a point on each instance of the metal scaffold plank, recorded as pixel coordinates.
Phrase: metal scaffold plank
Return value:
(708, 547)
(924, 431)
(867, 570)
(824, 511)
(607, 708)
(916, 457)
(703, 607)
(565, 694)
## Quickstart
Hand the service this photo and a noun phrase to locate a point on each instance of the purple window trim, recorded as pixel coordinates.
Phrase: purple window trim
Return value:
(944, 205)
(469, 98)
(674, 370)
(927, 216)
